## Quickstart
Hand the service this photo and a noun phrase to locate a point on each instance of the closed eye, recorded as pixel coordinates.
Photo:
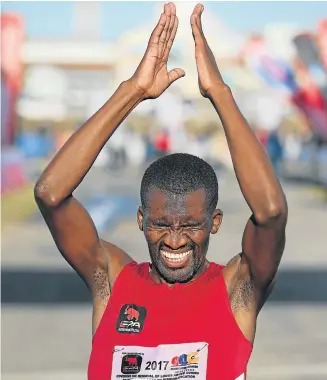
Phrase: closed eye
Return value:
(193, 225)
(161, 225)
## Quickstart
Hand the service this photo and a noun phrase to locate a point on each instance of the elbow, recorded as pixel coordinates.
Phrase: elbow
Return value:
(44, 196)
(275, 212)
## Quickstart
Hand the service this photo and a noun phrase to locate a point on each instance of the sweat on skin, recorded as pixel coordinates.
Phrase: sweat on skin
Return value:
(175, 224)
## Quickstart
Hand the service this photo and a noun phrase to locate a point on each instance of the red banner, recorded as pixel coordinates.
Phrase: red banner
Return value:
(322, 41)
(12, 39)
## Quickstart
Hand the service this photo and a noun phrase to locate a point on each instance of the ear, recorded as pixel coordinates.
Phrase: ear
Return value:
(217, 217)
(140, 218)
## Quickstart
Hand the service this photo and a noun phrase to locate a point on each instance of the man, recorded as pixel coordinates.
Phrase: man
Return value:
(178, 316)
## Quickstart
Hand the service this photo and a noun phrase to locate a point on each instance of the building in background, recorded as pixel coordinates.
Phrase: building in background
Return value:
(65, 81)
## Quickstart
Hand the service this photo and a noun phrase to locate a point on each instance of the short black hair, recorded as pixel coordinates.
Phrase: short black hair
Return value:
(181, 173)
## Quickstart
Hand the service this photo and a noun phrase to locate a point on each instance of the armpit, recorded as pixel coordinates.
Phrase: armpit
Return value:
(101, 284)
(242, 295)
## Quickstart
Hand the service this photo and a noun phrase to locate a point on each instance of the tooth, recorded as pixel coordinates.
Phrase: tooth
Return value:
(175, 256)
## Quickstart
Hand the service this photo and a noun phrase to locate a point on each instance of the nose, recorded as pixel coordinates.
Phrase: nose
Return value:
(175, 240)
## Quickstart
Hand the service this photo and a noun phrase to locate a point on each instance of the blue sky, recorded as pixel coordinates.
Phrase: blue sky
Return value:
(53, 19)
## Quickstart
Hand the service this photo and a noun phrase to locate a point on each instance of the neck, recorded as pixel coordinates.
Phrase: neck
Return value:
(155, 276)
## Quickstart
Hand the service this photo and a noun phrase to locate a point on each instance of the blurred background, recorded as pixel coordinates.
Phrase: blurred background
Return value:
(60, 61)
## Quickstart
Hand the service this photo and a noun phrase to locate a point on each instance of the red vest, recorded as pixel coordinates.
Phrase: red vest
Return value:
(151, 331)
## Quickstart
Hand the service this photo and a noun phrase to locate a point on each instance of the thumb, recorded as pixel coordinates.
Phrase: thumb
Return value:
(175, 74)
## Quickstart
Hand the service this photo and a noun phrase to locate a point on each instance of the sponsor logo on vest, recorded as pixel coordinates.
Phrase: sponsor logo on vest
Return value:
(131, 319)
(131, 364)
(185, 359)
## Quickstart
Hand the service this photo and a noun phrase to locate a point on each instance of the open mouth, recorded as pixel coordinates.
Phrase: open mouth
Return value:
(175, 259)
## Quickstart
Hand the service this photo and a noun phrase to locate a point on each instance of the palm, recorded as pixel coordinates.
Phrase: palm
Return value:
(206, 65)
(162, 80)
(209, 75)
(152, 76)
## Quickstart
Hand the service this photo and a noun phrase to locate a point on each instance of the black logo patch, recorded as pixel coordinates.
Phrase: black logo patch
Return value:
(131, 319)
(131, 364)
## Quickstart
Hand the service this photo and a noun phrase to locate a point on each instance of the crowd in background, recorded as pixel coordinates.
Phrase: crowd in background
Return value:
(285, 104)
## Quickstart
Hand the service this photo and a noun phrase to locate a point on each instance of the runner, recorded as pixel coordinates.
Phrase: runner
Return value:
(179, 316)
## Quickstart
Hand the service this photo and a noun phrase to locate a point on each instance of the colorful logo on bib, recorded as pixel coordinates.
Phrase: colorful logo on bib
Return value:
(131, 364)
(185, 359)
(131, 319)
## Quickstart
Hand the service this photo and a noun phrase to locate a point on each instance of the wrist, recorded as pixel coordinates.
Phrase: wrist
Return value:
(218, 91)
(134, 89)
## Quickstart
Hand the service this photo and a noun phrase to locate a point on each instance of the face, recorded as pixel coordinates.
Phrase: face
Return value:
(177, 229)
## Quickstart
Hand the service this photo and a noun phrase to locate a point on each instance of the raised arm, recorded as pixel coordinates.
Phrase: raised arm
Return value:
(264, 235)
(71, 226)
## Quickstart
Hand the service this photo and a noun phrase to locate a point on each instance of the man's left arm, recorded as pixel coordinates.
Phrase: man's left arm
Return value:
(264, 235)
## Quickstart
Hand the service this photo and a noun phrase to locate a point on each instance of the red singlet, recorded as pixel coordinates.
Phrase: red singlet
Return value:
(151, 331)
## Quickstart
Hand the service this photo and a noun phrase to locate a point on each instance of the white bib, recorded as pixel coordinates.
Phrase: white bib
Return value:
(164, 362)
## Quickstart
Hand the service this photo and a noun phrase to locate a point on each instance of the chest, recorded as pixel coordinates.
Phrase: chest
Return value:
(160, 329)
(167, 315)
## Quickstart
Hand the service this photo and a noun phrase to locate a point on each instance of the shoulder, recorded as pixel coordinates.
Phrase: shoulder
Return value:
(116, 259)
(115, 252)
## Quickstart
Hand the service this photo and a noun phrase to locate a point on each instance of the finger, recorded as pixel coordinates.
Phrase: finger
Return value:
(162, 39)
(197, 10)
(173, 8)
(170, 41)
(199, 18)
(154, 39)
(175, 74)
(195, 24)
(171, 24)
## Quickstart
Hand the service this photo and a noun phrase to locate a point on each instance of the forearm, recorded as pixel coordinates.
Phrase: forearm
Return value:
(255, 174)
(73, 161)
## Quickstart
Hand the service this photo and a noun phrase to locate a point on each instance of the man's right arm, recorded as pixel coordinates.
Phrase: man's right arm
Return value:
(70, 224)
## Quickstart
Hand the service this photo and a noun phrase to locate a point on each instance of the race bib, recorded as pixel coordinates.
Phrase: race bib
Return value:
(166, 361)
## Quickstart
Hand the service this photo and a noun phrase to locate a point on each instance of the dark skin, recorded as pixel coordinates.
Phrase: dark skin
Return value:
(176, 224)
(250, 275)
